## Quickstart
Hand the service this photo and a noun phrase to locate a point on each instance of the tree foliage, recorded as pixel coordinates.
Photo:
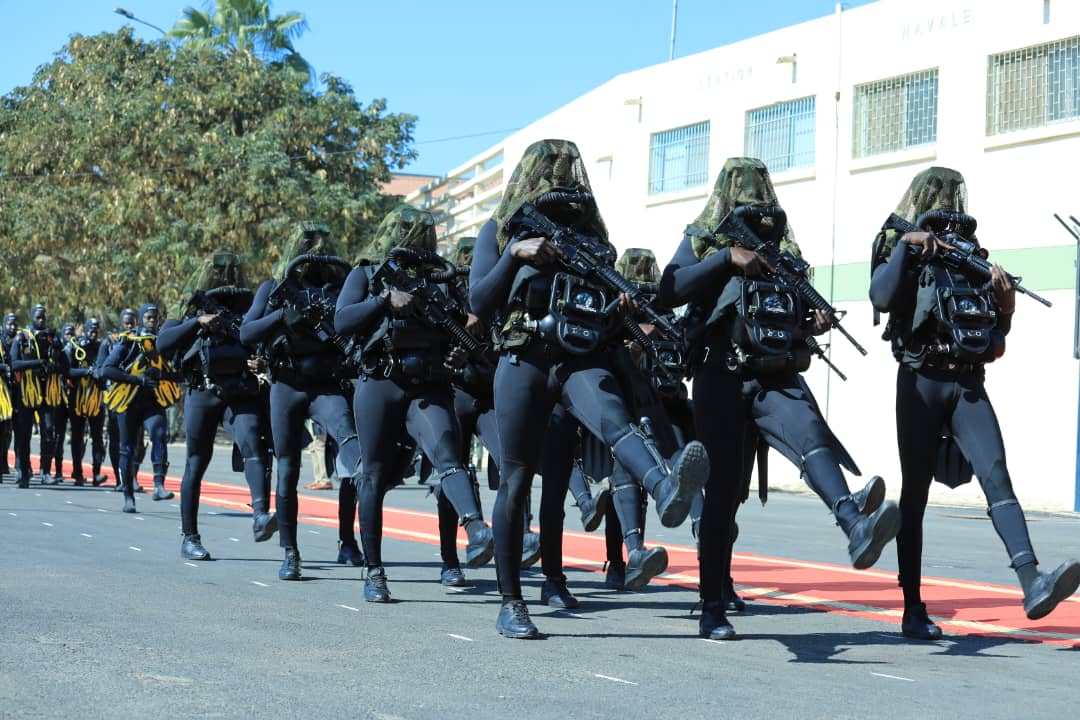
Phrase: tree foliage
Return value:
(124, 162)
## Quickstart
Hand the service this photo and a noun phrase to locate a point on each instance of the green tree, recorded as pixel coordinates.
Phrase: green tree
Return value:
(245, 27)
(124, 162)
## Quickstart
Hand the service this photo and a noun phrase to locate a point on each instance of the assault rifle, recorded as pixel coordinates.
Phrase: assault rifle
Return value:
(434, 308)
(318, 316)
(965, 256)
(792, 271)
(588, 258)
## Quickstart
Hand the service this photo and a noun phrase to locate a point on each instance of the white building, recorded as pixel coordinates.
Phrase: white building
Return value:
(845, 110)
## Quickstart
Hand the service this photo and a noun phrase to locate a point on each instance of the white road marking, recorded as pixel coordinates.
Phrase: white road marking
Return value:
(313, 532)
(256, 582)
(102, 510)
(569, 614)
(174, 505)
(46, 524)
(67, 502)
(86, 535)
(613, 679)
(235, 539)
(460, 637)
(718, 642)
(349, 607)
(191, 564)
(211, 513)
(132, 547)
(13, 514)
(892, 677)
(37, 494)
(138, 517)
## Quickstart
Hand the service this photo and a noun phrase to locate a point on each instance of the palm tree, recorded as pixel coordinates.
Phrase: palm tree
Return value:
(246, 26)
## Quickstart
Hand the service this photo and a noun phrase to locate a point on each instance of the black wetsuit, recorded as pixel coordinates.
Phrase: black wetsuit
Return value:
(13, 389)
(936, 396)
(388, 396)
(220, 389)
(529, 381)
(718, 420)
(307, 383)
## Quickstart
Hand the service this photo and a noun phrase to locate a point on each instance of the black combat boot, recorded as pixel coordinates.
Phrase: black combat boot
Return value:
(514, 621)
(713, 624)
(870, 534)
(616, 576)
(290, 567)
(1046, 590)
(263, 526)
(481, 545)
(349, 553)
(453, 577)
(593, 508)
(869, 498)
(191, 548)
(643, 565)
(375, 588)
(530, 549)
(160, 493)
(555, 594)
(918, 625)
(673, 487)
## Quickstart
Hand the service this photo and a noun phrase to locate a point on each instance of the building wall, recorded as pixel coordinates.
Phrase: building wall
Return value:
(1016, 181)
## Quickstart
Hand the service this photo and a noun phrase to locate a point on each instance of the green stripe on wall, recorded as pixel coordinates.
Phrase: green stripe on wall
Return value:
(1042, 268)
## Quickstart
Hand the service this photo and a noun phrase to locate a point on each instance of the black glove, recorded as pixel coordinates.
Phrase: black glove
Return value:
(148, 381)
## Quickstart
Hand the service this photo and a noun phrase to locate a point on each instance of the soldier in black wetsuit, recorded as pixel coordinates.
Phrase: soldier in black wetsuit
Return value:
(222, 387)
(291, 317)
(9, 390)
(407, 364)
(85, 408)
(709, 271)
(944, 326)
(37, 358)
(143, 385)
(543, 360)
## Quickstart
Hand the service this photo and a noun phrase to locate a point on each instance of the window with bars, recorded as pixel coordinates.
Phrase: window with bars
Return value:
(679, 158)
(782, 135)
(1033, 86)
(894, 114)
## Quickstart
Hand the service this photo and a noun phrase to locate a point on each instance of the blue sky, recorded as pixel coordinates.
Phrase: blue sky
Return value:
(479, 68)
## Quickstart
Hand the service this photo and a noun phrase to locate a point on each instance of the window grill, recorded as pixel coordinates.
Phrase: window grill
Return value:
(679, 158)
(782, 135)
(894, 114)
(1033, 86)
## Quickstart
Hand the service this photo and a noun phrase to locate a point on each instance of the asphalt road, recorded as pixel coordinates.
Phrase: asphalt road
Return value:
(100, 617)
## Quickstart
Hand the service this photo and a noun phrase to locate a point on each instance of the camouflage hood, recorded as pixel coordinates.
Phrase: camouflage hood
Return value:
(311, 238)
(546, 166)
(639, 265)
(404, 226)
(935, 188)
(462, 254)
(220, 269)
(742, 181)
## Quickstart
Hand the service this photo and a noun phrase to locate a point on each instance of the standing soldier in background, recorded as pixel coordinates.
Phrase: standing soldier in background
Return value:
(944, 327)
(37, 357)
(85, 408)
(143, 385)
(128, 321)
(9, 391)
(61, 411)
